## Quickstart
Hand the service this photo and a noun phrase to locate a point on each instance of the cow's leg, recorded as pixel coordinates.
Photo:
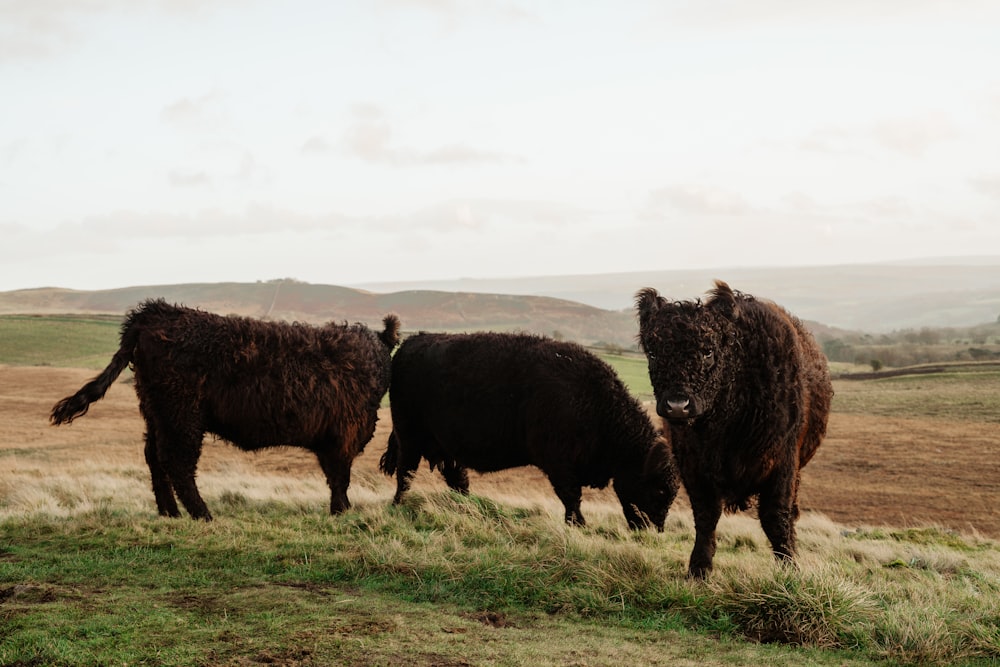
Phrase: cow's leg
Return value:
(179, 450)
(174, 421)
(163, 491)
(778, 509)
(336, 466)
(570, 493)
(407, 462)
(456, 476)
(707, 509)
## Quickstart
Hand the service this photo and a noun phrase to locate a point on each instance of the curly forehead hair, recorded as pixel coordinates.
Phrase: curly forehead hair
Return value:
(680, 320)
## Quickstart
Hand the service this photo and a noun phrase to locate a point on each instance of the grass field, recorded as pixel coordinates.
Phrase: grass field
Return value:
(74, 341)
(967, 392)
(447, 580)
(632, 370)
(89, 575)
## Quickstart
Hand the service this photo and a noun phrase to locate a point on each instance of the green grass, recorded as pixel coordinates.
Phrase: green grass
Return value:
(966, 393)
(633, 371)
(71, 341)
(445, 576)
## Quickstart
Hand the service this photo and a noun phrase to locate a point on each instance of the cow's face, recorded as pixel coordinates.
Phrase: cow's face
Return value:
(687, 344)
(646, 498)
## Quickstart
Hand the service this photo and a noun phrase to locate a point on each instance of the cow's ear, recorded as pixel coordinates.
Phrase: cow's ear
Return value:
(647, 303)
(724, 301)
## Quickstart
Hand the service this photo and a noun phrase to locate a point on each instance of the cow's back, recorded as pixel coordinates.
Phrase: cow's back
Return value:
(496, 401)
(261, 384)
(460, 397)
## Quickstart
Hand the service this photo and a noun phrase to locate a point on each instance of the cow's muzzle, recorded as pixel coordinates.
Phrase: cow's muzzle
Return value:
(675, 408)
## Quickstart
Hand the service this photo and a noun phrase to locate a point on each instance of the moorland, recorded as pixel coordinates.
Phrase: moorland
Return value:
(899, 562)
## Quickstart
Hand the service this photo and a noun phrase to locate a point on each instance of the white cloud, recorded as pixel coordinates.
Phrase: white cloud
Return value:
(180, 179)
(38, 30)
(482, 214)
(370, 137)
(252, 173)
(255, 220)
(987, 185)
(472, 215)
(32, 30)
(725, 13)
(10, 151)
(206, 113)
(695, 200)
(888, 207)
(989, 102)
(914, 136)
(452, 11)
(316, 145)
(909, 136)
(462, 154)
(835, 140)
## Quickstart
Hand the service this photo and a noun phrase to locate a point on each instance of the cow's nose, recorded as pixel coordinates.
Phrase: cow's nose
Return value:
(674, 408)
(678, 409)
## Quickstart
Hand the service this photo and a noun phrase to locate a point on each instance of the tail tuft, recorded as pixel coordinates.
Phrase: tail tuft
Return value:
(390, 335)
(69, 408)
(390, 459)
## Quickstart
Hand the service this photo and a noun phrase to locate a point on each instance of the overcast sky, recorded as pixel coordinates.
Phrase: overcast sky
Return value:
(165, 141)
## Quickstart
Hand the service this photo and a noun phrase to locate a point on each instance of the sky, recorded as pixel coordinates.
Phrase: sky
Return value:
(148, 142)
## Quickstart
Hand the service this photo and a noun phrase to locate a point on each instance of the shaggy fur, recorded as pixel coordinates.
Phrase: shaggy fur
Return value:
(492, 401)
(745, 393)
(256, 384)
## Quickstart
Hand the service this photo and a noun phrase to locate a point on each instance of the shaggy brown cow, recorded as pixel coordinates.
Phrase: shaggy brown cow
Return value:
(256, 384)
(745, 392)
(493, 401)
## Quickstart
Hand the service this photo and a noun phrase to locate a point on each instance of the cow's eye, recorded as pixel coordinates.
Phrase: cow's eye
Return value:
(709, 357)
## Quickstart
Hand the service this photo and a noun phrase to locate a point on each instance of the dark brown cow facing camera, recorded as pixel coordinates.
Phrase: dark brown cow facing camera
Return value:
(745, 393)
(493, 401)
(256, 384)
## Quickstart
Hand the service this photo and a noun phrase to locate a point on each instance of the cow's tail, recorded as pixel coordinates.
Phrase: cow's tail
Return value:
(390, 334)
(390, 459)
(71, 407)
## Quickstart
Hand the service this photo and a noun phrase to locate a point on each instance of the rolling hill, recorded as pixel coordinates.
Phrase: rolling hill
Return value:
(874, 298)
(588, 308)
(425, 310)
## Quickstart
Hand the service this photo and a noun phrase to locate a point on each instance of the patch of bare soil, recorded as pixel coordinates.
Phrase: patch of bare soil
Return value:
(490, 619)
(870, 470)
(905, 472)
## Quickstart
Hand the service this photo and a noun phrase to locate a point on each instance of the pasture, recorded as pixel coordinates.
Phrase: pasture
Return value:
(899, 561)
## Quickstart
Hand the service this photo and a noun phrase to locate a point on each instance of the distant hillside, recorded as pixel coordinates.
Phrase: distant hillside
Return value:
(589, 308)
(876, 298)
(296, 301)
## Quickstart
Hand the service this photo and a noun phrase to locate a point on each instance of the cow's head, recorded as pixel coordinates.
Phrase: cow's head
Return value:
(646, 498)
(687, 345)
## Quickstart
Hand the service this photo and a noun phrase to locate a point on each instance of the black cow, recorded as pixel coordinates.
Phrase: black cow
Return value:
(256, 384)
(745, 393)
(492, 401)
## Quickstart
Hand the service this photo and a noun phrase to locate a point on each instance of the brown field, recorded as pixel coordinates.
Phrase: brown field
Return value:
(870, 471)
